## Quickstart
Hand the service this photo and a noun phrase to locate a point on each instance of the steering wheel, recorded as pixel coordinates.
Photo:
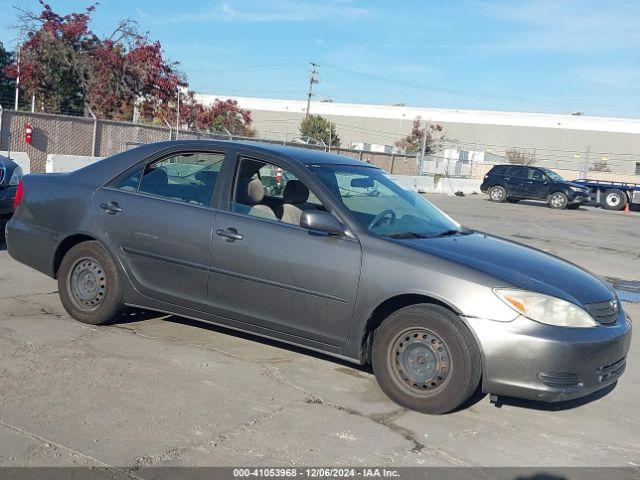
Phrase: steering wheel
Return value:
(377, 221)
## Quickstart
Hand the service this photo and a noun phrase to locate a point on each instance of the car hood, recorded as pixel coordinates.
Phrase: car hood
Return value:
(574, 184)
(512, 263)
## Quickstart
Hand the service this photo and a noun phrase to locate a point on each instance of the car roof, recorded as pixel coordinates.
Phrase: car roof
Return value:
(111, 166)
(304, 155)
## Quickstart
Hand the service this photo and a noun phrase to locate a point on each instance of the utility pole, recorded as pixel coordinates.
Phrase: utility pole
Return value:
(15, 107)
(586, 162)
(424, 146)
(178, 114)
(313, 78)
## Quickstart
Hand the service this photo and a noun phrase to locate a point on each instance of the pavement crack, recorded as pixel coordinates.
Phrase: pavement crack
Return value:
(387, 421)
(176, 453)
(50, 443)
(25, 295)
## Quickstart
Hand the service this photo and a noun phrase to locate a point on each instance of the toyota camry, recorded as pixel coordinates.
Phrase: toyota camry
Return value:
(339, 259)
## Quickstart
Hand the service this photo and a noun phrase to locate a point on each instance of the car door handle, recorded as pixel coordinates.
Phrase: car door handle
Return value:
(230, 234)
(112, 208)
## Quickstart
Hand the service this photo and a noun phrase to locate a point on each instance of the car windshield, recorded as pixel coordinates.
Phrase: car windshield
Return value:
(382, 206)
(554, 176)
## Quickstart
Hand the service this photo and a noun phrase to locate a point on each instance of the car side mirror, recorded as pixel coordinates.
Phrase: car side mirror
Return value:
(319, 221)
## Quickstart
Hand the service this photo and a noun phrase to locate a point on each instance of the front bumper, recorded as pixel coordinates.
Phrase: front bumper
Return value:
(526, 359)
(7, 194)
(579, 198)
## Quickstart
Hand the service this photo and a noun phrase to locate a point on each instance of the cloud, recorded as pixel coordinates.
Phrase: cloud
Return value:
(276, 11)
(571, 26)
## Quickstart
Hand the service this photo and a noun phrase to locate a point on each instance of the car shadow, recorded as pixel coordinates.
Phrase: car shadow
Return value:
(533, 203)
(556, 406)
(136, 315)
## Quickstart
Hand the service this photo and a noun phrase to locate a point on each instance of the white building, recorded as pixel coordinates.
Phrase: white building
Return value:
(560, 141)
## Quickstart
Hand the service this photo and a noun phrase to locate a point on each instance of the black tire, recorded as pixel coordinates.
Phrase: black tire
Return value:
(449, 371)
(512, 200)
(90, 289)
(558, 200)
(614, 200)
(497, 194)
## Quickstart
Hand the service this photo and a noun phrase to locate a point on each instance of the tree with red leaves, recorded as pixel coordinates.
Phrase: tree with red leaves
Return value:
(67, 68)
(412, 143)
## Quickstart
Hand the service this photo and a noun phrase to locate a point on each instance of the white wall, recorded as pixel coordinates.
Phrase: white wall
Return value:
(426, 184)
(21, 158)
(67, 163)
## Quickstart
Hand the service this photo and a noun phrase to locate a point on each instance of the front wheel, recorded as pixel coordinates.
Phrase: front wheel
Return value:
(558, 200)
(497, 194)
(90, 289)
(426, 359)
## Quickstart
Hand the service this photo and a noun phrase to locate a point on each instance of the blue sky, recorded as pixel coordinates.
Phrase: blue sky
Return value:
(543, 56)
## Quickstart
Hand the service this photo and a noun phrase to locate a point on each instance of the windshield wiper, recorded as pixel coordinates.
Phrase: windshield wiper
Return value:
(404, 235)
(454, 231)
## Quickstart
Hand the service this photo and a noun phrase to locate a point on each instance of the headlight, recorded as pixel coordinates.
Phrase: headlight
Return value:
(546, 309)
(16, 176)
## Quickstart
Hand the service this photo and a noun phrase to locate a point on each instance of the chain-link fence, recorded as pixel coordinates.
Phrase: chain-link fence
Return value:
(82, 136)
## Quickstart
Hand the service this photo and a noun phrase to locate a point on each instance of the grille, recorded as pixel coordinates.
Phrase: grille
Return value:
(559, 379)
(604, 313)
(612, 371)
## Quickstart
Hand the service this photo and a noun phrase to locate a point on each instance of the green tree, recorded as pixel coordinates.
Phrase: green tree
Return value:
(319, 128)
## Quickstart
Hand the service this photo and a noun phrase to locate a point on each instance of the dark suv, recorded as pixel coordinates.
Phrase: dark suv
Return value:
(10, 175)
(513, 183)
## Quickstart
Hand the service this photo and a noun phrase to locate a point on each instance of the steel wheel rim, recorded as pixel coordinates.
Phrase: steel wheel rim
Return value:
(613, 200)
(420, 362)
(557, 200)
(87, 283)
(496, 194)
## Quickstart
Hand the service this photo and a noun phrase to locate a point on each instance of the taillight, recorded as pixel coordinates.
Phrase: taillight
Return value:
(19, 195)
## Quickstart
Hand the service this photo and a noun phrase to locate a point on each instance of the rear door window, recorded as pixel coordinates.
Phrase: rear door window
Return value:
(517, 172)
(188, 177)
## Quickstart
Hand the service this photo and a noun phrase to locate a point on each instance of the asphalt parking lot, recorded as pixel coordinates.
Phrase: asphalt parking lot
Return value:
(158, 391)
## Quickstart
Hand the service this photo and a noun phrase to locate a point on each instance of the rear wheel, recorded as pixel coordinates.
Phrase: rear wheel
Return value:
(426, 359)
(558, 200)
(497, 194)
(614, 200)
(90, 289)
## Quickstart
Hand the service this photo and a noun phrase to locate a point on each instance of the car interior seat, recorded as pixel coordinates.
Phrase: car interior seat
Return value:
(249, 197)
(294, 195)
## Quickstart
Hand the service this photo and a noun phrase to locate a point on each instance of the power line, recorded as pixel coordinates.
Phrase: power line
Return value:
(435, 88)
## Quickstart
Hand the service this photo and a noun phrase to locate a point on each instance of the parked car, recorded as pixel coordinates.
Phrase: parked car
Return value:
(346, 262)
(513, 183)
(10, 175)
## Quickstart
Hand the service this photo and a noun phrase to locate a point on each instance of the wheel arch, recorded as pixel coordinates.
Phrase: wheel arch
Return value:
(393, 304)
(65, 245)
